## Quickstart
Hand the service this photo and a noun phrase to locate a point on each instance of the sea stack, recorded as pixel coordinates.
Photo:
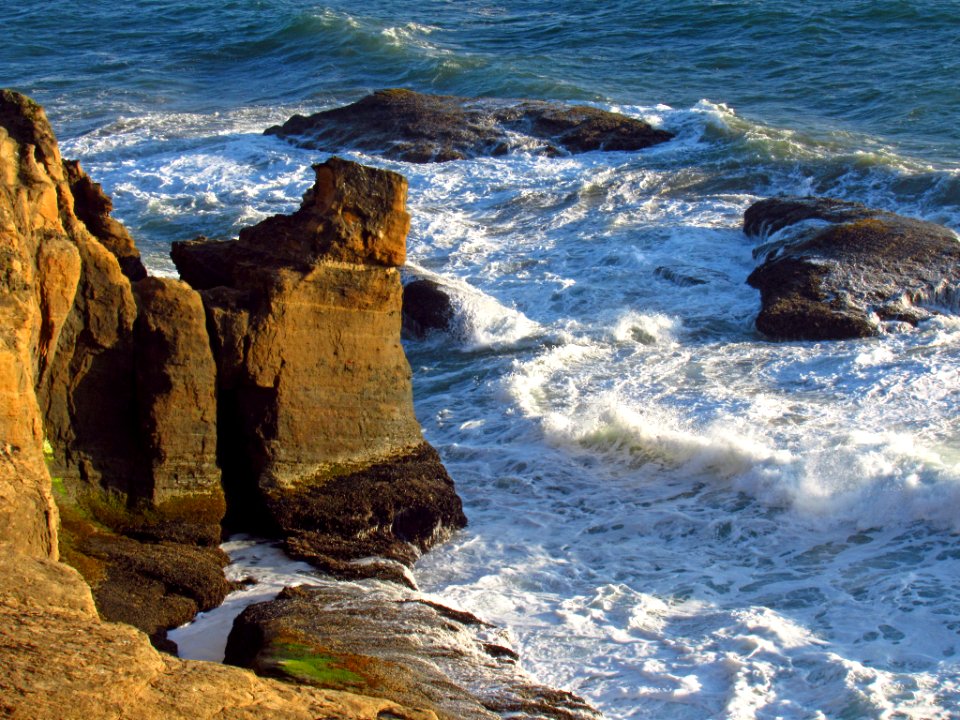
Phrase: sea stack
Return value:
(318, 438)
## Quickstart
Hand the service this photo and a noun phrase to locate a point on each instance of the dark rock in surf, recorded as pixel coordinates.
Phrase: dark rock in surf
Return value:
(390, 643)
(416, 127)
(426, 307)
(832, 269)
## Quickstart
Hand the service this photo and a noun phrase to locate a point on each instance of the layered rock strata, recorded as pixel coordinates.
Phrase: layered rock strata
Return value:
(63, 292)
(415, 127)
(103, 375)
(317, 431)
(394, 644)
(832, 269)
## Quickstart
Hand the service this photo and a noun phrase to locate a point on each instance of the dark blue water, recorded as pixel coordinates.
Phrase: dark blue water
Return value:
(884, 70)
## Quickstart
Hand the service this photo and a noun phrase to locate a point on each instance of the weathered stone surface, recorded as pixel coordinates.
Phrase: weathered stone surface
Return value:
(58, 659)
(60, 662)
(68, 374)
(92, 206)
(176, 397)
(393, 644)
(314, 387)
(415, 127)
(426, 307)
(832, 269)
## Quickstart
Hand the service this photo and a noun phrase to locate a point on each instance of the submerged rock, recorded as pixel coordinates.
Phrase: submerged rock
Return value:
(832, 269)
(318, 438)
(395, 645)
(416, 127)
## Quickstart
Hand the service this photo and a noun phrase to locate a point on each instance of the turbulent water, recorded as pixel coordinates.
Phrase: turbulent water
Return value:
(672, 516)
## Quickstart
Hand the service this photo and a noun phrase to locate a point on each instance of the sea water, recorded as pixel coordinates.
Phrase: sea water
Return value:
(672, 515)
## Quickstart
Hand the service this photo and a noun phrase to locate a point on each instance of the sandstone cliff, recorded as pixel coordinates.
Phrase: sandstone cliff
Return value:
(119, 377)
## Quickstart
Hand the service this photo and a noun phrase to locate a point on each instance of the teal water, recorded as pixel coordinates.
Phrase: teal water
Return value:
(672, 516)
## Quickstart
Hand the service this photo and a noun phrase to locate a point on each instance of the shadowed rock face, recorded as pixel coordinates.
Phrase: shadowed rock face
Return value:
(317, 431)
(395, 645)
(415, 127)
(832, 269)
(108, 375)
(426, 307)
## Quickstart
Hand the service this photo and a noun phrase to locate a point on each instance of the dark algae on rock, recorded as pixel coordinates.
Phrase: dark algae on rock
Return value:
(832, 269)
(417, 127)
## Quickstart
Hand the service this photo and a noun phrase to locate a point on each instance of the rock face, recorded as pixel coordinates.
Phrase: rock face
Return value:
(396, 645)
(317, 430)
(415, 127)
(832, 269)
(61, 662)
(105, 382)
(59, 659)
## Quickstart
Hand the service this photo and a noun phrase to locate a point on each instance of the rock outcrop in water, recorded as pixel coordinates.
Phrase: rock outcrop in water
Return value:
(415, 127)
(443, 659)
(833, 269)
(77, 344)
(317, 430)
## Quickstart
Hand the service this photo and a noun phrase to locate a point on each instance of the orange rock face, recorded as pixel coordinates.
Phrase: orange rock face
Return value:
(314, 385)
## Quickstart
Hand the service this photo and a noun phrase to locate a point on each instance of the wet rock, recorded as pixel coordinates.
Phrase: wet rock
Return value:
(318, 439)
(416, 127)
(832, 269)
(426, 307)
(393, 644)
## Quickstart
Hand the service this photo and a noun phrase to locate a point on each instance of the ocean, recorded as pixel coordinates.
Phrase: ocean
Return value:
(669, 514)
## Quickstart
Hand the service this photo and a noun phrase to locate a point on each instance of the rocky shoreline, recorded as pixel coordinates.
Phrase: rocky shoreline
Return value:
(267, 390)
(270, 391)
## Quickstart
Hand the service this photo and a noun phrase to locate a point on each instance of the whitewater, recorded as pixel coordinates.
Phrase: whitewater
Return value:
(670, 514)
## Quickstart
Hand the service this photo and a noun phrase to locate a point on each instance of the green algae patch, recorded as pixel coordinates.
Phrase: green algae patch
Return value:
(303, 664)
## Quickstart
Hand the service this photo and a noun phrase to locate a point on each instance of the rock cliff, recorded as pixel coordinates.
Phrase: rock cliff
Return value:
(73, 326)
(317, 430)
(407, 125)
(833, 269)
(108, 378)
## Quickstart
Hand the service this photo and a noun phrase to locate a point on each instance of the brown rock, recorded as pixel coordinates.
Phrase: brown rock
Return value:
(833, 269)
(176, 398)
(415, 127)
(60, 662)
(313, 382)
(93, 208)
(393, 644)
(426, 307)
